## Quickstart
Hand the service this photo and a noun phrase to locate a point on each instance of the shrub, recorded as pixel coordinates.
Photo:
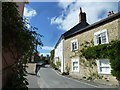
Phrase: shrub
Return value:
(65, 73)
(52, 65)
(58, 64)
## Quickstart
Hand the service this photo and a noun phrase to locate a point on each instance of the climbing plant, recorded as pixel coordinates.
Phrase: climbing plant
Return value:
(110, 51)
(58, 64)
(88, 63)
(19, 40)
(52, 55)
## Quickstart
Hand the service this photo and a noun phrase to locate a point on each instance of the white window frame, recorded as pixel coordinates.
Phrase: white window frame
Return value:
(99, 33)
(75, 60)
(107, 66)
(74, 41)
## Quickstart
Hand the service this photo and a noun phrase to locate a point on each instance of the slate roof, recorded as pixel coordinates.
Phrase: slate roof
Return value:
(73, 31)
(84, 26)
(76, 28)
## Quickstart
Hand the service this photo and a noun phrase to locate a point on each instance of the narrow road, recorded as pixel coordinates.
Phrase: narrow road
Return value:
(50, 79)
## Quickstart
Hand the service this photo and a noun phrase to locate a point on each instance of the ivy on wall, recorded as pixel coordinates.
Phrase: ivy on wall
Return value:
(20, 41)
(88, 63)
(110, 51)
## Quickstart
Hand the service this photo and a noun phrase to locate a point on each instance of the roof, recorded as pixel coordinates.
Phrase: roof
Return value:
(101, 22)
(82, 27)
(72, 30)
(76, 28)
(61, 37)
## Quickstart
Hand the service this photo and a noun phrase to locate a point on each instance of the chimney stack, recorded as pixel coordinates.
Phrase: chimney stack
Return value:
(82, 16)
(110, 13)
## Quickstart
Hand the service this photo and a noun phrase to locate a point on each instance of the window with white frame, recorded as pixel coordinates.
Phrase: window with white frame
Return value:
(74, 45)
(100, 37)
(104, 66)
(75, 65)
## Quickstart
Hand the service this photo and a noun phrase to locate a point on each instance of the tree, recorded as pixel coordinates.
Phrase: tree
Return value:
(52, 55)
(48, 57)
(19, 40)
(41, 56)
(36, 57)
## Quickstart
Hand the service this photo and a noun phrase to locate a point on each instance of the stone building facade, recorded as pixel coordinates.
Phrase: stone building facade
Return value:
(98, 33)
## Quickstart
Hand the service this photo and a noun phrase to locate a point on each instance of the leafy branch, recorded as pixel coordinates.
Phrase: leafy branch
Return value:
(20, 41)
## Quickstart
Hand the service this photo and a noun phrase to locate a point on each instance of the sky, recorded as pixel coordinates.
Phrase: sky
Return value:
(55, 18)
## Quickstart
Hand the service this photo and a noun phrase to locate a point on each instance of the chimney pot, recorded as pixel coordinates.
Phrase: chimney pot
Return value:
(110, 13)
(80, 10)
(82, 16)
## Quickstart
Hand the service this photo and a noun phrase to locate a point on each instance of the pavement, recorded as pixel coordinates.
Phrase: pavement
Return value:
(49, 78)
(31, 76)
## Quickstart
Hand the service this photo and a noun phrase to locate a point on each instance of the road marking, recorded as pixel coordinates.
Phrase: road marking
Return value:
(75, 80)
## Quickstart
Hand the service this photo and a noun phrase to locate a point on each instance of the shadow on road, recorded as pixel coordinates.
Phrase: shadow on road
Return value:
(31, 74)
(44, 66)
(38, 67)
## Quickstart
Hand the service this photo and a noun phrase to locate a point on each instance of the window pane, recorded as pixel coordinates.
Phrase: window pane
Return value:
(73, 68)
(103, 35)
(75, 65)
(104, 66)
(72, 46)
(105, 70)
(98, 39)
(104, 63)
(75, 45)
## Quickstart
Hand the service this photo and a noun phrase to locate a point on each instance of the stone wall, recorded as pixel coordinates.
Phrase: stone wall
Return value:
(113, 34)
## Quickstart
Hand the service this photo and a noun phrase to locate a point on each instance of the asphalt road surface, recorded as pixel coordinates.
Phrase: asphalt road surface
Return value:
(50, 79)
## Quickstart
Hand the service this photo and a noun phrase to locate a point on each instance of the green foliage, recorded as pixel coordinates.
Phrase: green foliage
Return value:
(94, 76)
(58, 64)
(110, 51)
(15, 34)
(65, 73)
(52, 65)
(52, 54)
(17, 79)
(67, 69)
(90, 62)
(19, 40)
(94, 52)
(36, 57)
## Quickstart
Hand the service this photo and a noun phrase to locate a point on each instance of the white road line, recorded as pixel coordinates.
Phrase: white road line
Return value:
(75, 80)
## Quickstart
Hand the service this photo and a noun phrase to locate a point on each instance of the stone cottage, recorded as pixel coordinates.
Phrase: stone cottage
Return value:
(59, 48)
(100, 32)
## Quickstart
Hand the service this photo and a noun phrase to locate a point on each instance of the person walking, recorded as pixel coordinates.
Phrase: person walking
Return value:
(37, 68)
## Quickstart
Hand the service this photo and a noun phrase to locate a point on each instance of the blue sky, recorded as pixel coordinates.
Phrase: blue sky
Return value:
(54, 18)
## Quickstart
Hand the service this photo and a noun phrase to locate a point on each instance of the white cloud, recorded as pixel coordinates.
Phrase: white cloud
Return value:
(70, 14)
(47, 48)
(72, 0)
(29, 12)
